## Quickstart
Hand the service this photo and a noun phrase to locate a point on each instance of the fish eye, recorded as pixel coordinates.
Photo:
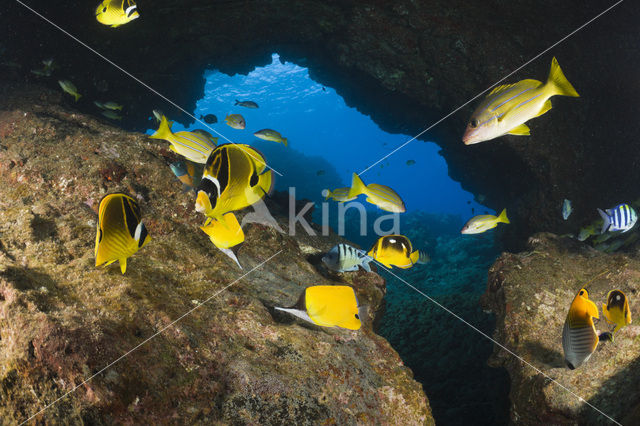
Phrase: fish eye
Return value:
(474, 123)
(104, 10)
(357, 316)
(581, 292)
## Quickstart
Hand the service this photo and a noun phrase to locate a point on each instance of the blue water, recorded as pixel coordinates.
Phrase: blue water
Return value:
(325, 134)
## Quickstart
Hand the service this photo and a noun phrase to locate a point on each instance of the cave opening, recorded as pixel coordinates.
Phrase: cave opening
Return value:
(327, 141)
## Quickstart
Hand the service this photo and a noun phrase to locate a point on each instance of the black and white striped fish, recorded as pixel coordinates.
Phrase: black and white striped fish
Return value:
(620, 218)
(344, 258)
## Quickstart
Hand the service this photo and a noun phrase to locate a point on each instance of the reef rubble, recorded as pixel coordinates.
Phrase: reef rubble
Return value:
(530, 293)
(230, 360)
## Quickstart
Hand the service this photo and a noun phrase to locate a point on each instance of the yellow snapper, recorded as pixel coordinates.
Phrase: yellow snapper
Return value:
(121, 232)
(616, 310)
(70, 88)
(116, 12)
(396, 250)
(193, 146)
(579, 336)
(484, 222)
(112, 115)
(235, 121)
(270, 135)
(506, 108)
(328, 306)
(339, 194)
(235, 176)
(112, 106)
(380, 195)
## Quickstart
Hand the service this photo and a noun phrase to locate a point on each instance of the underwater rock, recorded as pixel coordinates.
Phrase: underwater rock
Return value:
(230, 360)
(530, 293)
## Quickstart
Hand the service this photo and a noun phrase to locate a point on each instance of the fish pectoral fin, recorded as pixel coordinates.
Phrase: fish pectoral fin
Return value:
(545, 107)
(521, 130)
(123, 264)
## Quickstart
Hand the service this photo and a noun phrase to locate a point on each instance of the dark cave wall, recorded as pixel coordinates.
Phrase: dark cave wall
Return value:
(405, 63)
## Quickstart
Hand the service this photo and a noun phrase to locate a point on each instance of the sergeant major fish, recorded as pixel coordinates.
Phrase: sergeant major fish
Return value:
(620, 218)
(344, 258)
(508, 107)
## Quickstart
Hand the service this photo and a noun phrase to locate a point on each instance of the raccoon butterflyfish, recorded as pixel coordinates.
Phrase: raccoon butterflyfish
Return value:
(484, 222)
(579, 337)
(396, 250)
(328, 306)
(225, 234)
(235, 121)
(235, 176)
(120, 232)
(380, 195)
(616, 310)
(193, 146)
(507, 107)
(116, 12)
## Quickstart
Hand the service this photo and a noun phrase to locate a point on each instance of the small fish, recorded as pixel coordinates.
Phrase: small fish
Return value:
(482, 223)
(209, 119)
(328, 306)
(235, 121)
(270, 135)
(395, 250)
(99, 104)
(112, 115)
(112, 106)
(158, 115)
(41, 73)
(340, 195)
(344, 258)
(235, 176)
(70, 88)
(566, 209)
(185, 171)
(586, 232)
(225, 234)
(616, 310)
(411, 162)
(320, 173)
(247, 104)
(506, 108)
(192, 146)
(620, 218)
(579, 336)
(116, 12)
(380, 195)
(207, 135)
(121, 232)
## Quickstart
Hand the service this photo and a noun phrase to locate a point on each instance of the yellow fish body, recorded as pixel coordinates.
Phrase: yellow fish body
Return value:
(70, 88)
(339, 194)
(395, 250)
(121, 232)
(484, 222)
(191, 145)
(579, 336)
(506, 108)
(235, 121)
(116, 12)
(271, 135)
(328, 306)
(235, 176)
(380, 195)
(616, 310)
(224, 234)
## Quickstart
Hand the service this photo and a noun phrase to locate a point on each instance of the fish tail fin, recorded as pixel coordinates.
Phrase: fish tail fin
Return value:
(123, 264)
(558, 82)
(284, 141)
(606, 221)
(423, 258)
(357, 186)
(365, 263)
(503, 217)
(237, 102)
(164, 130)
(77, 96)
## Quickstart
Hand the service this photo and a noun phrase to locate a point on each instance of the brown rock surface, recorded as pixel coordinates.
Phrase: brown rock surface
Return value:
(531, 293)
(231, 360)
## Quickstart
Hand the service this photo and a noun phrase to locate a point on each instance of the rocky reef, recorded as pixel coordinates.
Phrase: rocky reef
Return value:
(231, 360)
(530, 294)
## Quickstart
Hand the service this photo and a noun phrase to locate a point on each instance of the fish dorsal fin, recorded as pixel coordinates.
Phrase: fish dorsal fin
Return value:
(592, 309)
(521, 130)
(501, 88)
